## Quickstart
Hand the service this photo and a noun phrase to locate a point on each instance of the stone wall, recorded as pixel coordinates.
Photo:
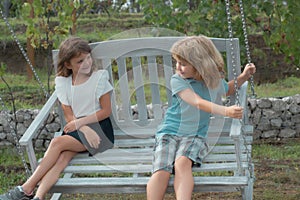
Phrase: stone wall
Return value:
(272, 118)
(275, 117)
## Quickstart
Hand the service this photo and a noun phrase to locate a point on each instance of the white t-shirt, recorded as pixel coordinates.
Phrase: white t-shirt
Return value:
(83, 98)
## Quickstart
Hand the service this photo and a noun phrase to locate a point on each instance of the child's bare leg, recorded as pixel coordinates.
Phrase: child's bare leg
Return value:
(53, 174)
(56, 147)
(157, 185)
(183, 181)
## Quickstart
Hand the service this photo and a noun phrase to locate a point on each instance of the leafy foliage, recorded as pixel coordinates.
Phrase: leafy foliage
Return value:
(279, 26)
(274, 19)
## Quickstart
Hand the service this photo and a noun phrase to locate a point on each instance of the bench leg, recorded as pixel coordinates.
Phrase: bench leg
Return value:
(56, 196)
(247, 192)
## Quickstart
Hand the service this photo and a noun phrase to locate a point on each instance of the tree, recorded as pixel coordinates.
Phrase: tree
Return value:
(276, 20)
(6, 5)
(43, 30)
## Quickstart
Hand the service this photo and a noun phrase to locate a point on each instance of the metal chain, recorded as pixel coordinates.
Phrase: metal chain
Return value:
(232, 52)
(24, 53)
(16, 139)
(248, 54)
(15, 136)
(249, 159)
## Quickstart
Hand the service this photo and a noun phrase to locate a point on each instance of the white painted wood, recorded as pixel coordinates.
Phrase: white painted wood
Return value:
(141, 63)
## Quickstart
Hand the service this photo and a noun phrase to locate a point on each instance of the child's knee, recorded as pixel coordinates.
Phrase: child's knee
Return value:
(55, 143)
(183, 163)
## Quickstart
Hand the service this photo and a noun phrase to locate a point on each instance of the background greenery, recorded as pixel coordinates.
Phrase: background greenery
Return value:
(94, 20)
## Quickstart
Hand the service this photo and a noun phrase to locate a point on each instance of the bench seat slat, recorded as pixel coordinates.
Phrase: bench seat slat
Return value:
(138, 184)
(150, 141)
(149, 151)
(148, 159)
(139, 168)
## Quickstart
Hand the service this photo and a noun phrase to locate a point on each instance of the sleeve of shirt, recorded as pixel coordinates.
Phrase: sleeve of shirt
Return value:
(61, 90)
(103, 85)
(178, 84)
(217, 94)
(225, 85)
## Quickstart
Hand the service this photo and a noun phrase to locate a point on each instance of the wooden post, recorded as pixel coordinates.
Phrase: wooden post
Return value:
(74, 19)
(30, 49)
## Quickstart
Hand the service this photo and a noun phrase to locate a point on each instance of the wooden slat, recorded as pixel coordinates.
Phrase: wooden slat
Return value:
(146, 168)
(168, 71)
(138, 184)
(147, 158)
(139, 89)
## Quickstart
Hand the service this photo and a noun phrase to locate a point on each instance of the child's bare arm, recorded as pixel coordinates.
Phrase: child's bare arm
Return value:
(249, 70)
(195, 100)
(105, 111)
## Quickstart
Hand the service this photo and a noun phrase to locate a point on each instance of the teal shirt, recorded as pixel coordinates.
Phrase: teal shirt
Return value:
(183, 119)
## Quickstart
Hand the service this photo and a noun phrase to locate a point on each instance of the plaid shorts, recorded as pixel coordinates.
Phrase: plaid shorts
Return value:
(170, 147)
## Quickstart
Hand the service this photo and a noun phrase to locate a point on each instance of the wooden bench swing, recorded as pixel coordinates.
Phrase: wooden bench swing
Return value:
(126, 168)
(144, 69)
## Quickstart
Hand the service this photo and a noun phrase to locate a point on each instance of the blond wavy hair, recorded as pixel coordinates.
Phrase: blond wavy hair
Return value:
(201, 53)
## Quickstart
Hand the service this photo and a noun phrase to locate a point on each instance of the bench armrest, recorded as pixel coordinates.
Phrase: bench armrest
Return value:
(32, 130)
(236, 126)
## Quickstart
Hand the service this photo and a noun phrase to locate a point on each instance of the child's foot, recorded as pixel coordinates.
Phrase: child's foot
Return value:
(16, 194)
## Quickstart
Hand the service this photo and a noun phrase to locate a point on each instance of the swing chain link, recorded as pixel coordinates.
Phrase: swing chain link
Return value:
(16, 140)
(248, 54)
(230, 31)
(14, 131)
(244, 25)
(24, 53)
(249, 159)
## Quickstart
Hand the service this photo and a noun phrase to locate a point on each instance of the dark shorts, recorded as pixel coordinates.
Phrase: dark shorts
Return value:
(103, 129)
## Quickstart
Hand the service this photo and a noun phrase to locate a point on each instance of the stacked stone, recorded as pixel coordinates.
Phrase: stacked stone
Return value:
(275, 117)
(10, 128)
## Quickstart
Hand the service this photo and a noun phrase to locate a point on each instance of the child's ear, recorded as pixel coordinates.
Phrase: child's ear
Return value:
(67, 65)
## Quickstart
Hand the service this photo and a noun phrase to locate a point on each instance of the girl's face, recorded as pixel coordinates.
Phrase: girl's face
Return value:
(184, 69)
(81, 64)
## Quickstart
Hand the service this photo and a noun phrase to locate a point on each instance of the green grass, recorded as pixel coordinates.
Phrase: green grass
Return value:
(269, 151)
(100, 27)
(27, 93)
(282, 88)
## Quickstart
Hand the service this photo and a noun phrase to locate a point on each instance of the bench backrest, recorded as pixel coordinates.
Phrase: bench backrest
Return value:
(140, 70)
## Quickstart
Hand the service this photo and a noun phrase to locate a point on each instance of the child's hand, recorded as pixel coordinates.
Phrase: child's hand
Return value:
(71, 126)
(234, 112)
(249, 70)
(91, 136)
